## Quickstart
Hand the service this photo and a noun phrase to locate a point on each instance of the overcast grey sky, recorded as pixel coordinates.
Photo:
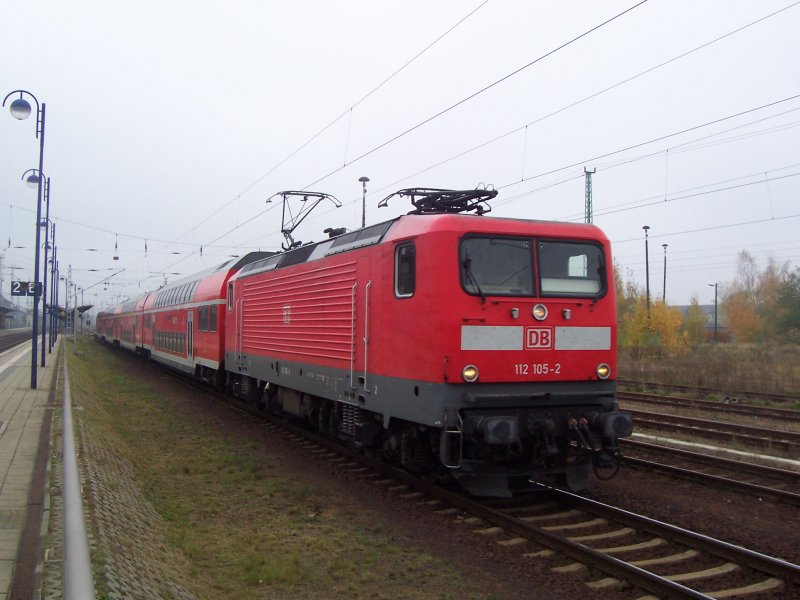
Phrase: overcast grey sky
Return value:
(172, 122)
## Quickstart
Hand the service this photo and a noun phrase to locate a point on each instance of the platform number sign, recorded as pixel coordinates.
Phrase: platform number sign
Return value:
(25, 288)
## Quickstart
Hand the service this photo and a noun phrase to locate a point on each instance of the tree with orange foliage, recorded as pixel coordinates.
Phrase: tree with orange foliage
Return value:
(751, 303)
(654, 334)
(743, 321)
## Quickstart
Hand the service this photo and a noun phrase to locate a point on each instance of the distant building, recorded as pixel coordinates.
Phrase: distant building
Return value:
(708, 311)
(11, 317)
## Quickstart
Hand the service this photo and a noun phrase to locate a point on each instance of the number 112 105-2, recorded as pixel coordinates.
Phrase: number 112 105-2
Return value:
(537, 369)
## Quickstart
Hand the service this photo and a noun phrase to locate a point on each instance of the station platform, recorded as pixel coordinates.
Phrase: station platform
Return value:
(25, 424)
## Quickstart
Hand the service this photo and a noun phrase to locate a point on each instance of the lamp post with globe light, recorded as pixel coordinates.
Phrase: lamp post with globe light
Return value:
(33, 181)
(53, 322)
(21, 109)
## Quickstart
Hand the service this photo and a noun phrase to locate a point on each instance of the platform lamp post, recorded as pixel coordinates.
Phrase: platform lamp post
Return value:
(74, 314)
(647, 268)
(53, 322)
(363, 181)
(58, 293)
(664, 296)
(21, 109)
(33, 180)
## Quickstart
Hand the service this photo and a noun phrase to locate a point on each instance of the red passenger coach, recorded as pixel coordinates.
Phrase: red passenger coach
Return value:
(480, 346)
(181, 324)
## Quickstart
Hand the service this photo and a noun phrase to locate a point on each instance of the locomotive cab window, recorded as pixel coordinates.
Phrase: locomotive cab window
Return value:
(405, 270)
(497, 266)
(571, 269)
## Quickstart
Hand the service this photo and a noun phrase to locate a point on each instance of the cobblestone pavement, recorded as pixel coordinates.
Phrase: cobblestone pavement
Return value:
(130, 557)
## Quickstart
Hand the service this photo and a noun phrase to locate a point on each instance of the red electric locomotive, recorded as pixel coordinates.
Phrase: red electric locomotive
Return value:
(480, 346)
(455, 343)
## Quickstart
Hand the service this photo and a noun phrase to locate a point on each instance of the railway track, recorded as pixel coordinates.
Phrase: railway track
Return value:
(747, 410)
(663, 559)
(615, 547)
(760, 480)
(9, 340)
(761, 437)
(612, 547)
(707, 391)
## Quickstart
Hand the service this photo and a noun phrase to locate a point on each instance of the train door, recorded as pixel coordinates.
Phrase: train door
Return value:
(190, 334)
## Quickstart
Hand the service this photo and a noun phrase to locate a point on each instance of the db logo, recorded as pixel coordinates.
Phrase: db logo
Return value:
(538, 338)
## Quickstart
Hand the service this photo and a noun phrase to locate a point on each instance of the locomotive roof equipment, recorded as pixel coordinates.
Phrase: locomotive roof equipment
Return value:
(438, 201)
(289, 225)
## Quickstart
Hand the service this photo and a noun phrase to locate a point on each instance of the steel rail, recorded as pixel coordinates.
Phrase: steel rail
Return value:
(782, 569)
(14, 339)
(783, 398)
(78, 583)
(787, 414)
(717, 461)
(761, 436)
(761, 490)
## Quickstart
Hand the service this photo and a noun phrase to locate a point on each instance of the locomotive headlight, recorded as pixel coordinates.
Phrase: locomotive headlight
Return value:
(470, 373)
(539, 312)
(603, 371)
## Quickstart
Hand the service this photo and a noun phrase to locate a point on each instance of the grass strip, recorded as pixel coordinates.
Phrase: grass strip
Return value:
(245, 524)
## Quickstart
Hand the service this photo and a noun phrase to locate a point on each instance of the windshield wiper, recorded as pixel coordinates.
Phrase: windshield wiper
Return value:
(468, 270)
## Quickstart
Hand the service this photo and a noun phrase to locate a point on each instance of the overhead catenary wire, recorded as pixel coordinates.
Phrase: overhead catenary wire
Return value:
(552, 171)
(345, 113)
(376, 88)
(682, 147)
(632, 204)
(679, 148)
(650, 141)
(320, 132)
(440, 113)
(478, 92)
(710, 228)
(261, 213)
(586, 98)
